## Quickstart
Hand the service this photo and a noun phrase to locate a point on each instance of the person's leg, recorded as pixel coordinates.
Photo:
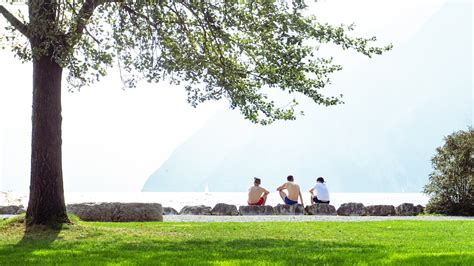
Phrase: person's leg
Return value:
(264, 199)
(282, 195)
(316, 200)
(311, 200)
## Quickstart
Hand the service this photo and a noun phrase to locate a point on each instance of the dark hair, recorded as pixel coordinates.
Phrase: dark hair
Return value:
(320, 179)
(257, 180)
(290, 178)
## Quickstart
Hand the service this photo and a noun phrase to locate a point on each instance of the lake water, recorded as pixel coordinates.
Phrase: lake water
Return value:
(178, 200)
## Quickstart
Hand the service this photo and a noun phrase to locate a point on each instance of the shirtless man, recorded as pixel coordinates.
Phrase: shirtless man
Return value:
(257, 194)
(293, 192)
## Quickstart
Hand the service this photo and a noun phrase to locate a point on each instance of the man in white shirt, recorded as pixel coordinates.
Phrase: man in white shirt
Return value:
(257, 194)
(322, 194)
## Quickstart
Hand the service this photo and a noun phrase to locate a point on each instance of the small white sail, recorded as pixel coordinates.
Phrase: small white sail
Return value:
(206, 190)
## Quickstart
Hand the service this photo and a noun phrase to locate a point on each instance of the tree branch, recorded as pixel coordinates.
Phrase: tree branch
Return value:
(131, 11)
(80, 23)
(20, 26)
(85, 13)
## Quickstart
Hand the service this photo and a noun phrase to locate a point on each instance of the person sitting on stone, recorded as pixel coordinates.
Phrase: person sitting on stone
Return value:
(322, 194)
(257, 194)
(293, 192)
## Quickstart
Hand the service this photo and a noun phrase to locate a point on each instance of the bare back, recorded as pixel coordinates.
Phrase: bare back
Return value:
(293, 190)
(255, 192)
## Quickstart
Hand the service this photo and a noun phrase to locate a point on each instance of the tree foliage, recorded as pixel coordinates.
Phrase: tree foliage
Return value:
(451, 184)
(234, 49)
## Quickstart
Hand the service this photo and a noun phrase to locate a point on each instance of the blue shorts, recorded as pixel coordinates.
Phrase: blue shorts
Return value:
(290, 202)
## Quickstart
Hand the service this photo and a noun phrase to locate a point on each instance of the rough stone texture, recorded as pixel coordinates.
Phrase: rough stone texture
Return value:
(224, 209)
(11, 209)
(380, 210)
(352, 209)
(256, 210)
(169, 211)
(196, 210)
(419, 209)
(117, 212)
(409, 209)
(295, 209)
(21, 211)
(320, 209)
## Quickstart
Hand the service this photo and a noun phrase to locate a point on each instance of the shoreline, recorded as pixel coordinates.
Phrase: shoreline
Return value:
(178, 200)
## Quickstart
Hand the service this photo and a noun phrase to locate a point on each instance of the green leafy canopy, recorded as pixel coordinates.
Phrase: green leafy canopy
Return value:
(451, 184)
(231, 49)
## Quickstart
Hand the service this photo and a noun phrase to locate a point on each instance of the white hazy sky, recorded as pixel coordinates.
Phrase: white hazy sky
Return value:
(113, 139)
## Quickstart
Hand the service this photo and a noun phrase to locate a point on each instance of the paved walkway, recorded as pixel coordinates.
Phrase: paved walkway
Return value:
(307, 218)
(301, 218)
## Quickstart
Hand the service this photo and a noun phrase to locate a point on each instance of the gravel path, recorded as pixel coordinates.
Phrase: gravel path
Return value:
(307, 218)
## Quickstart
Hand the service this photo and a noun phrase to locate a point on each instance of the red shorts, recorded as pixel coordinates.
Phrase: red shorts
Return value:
(260, 202)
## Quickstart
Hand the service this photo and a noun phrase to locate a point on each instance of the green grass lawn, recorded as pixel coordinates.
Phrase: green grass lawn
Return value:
(390, 242)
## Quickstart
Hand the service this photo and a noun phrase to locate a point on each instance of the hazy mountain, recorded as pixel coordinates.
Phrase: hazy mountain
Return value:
(398, 108)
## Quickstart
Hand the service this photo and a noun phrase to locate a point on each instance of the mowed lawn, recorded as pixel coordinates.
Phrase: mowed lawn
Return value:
(284, 243)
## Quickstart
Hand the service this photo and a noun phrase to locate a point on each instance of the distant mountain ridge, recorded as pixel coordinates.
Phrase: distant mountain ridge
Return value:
(398, 108)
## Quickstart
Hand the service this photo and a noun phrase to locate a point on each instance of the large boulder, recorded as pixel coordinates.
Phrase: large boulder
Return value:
(12, 209)
(419, 209)
(409, 209)
(295, 209)
(196, 210)
(169, 211)
(380, 210)
(21, 211)
(256, 210)
(117, 211)
(224, 209)
(352, 209)
(320, 209)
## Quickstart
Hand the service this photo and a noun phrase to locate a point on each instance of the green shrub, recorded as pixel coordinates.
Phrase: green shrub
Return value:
(451, 184)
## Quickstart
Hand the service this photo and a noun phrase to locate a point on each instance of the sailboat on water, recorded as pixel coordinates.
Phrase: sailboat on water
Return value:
(206, 190)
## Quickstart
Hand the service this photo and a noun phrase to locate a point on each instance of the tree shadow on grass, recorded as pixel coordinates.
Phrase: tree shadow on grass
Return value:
(269, 251)
(39, 236)
(34, 239)
(44, 246)
(239, 251)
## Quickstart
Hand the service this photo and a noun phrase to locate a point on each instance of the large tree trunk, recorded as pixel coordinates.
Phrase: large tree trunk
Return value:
(46, 203)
